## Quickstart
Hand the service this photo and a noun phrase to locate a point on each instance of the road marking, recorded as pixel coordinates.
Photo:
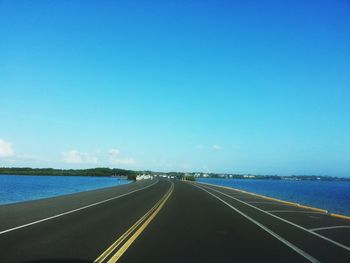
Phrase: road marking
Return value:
(264, 203)
(328, 227)
(74, 210)
(290, 245)
(286, 221)
(294, 211)
(134, 231)
(275, 199)
(109, 250)
(123, 249)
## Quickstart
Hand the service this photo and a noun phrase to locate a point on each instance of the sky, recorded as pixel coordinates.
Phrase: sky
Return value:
(260, 87)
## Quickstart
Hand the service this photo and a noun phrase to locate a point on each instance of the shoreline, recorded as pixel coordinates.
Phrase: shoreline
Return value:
(283, 201)
(65, 175)
(50, 192)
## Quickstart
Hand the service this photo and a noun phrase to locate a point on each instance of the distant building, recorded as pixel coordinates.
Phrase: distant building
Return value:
(144, 177)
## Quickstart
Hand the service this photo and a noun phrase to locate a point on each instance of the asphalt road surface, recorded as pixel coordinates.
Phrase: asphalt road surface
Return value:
(169, 221)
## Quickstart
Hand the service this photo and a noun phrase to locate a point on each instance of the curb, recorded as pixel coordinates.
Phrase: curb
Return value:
(340, 216)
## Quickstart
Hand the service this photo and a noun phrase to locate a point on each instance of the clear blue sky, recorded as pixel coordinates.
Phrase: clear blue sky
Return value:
(215, 86)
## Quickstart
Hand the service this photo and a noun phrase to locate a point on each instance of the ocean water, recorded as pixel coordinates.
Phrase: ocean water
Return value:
(330, 195)
(19, 188)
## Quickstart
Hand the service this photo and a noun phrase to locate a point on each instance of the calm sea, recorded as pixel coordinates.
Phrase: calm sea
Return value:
(19, 188)
(330, 195)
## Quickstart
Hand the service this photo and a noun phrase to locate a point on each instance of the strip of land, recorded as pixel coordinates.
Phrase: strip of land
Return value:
(169, 221)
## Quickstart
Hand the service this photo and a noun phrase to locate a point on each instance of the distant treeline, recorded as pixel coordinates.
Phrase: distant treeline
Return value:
(131, 175)
(70, 172)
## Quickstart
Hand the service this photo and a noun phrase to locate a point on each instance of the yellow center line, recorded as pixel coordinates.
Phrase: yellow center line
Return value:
(128, 243)
(153, 210)
(109, 250)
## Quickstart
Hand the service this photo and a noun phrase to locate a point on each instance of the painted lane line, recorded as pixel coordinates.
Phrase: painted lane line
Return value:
(111, 248)
(246, 197)
(284, 241)
(264, 203)
(328, 227)
(286, 221)
(74, 210)
(275, 199)
(128, 243)
(294, 211)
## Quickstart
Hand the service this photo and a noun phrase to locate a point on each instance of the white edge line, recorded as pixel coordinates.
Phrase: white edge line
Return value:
(286, 221)
(290, 245)
(265, 203)
(328, 227)
(294, 211)
(74, 210)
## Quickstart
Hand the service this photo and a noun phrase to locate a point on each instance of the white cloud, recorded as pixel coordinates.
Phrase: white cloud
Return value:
(72, 156)
(123, 161)
(114, 152)
(217, 147)
(116, 158)
(186, 166)
(76, 157)
(28, 157)
(90, 159)
(6, 149)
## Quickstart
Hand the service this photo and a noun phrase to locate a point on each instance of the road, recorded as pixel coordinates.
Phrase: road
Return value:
(169, 221)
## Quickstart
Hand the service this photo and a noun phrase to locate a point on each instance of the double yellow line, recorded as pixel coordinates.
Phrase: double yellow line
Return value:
(119, 247)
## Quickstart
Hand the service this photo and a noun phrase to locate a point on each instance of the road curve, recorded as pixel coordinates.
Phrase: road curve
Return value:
(169, 221)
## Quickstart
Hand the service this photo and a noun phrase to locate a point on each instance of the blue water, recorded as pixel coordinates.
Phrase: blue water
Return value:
(19, 188)
(330, 195)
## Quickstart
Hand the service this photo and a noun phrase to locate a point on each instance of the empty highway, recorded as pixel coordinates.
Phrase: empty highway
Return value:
(169, 221)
